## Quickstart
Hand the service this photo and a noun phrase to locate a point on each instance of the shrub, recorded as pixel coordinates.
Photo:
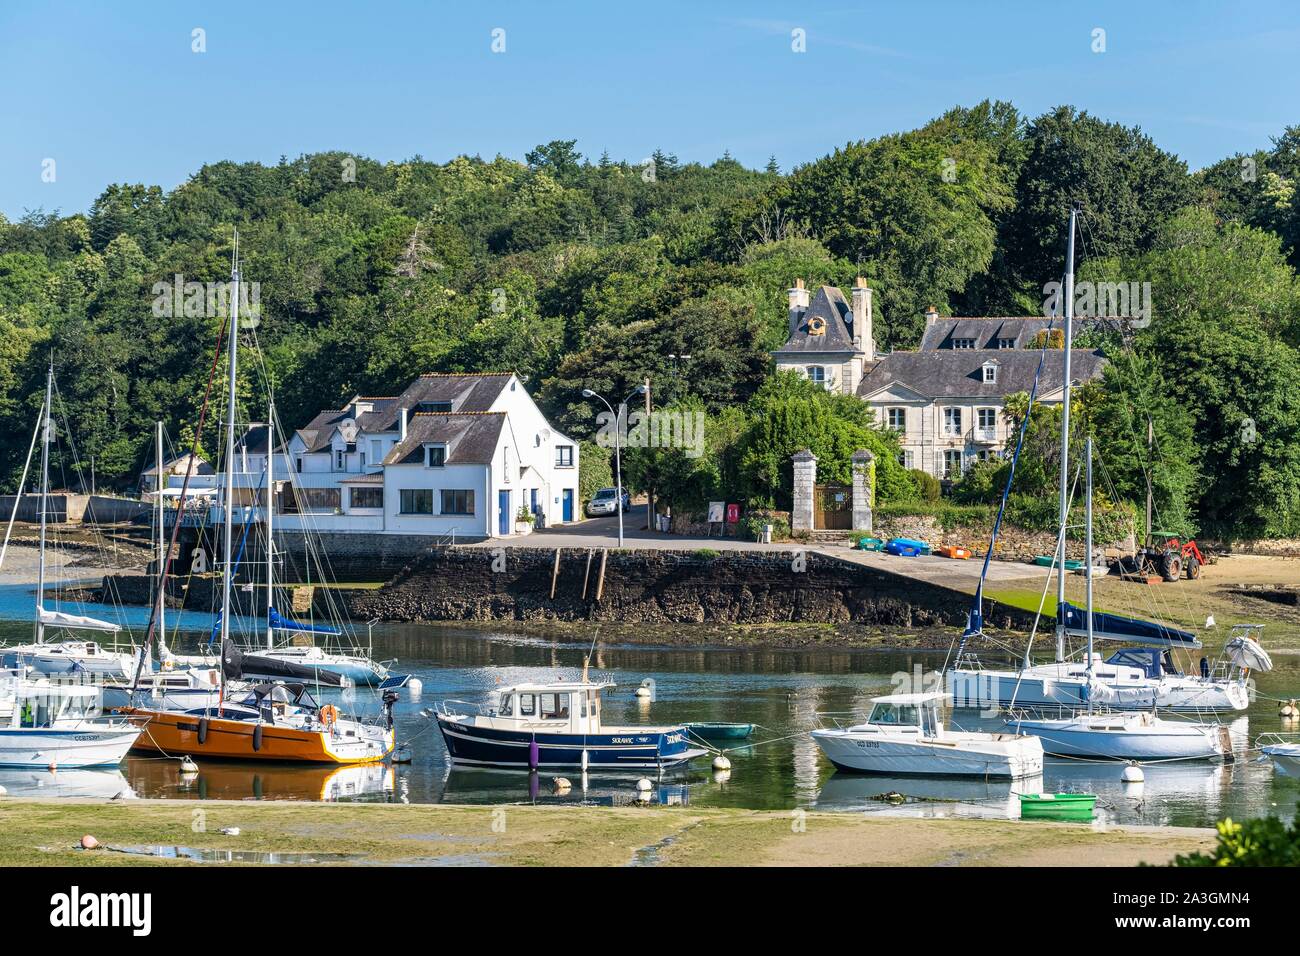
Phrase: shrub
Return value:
(1267, 841)
(753, 522)
(927, 486)
(706, 553)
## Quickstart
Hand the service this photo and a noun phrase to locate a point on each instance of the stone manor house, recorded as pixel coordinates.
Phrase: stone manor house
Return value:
(946, 399)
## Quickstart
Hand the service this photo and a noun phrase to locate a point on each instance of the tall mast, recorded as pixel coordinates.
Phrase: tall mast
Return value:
(162, 541)
(230, 450)
(270, 511)
(1065, 435)
(47, 435)
(1087, 567)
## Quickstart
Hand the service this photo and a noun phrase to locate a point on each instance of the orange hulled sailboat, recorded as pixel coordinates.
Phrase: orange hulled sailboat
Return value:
(273, 721)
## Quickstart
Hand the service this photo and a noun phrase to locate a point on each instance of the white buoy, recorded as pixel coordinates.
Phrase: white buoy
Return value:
(644, 691)
(402, 754)
(1132, 774)
(561, 785)
(415, 687)
(585, 761)
(1289, 711)
(3, 791)
(644, 785)
(720, 762)
(188, 765)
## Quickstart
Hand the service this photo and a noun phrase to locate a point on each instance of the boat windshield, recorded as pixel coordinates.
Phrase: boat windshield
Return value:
(895, 715)
(42, 707)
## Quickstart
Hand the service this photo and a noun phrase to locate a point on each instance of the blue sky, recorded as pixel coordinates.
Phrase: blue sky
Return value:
(112, 92)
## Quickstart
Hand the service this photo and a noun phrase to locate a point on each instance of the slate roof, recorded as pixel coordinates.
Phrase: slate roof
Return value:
(370, 478)
(316, 433)
(958, 373)
(471, 437)
(939, 333)
(829, 304)
(466, 393)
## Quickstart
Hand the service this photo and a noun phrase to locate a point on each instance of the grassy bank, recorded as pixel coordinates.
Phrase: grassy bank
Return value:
(36, 833)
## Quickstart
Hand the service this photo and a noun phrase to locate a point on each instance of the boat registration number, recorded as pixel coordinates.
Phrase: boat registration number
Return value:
(867, 744)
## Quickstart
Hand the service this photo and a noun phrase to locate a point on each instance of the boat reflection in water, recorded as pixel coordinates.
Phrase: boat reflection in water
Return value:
(926, 796)
(100, 784)
(374, 782)
(491, 786)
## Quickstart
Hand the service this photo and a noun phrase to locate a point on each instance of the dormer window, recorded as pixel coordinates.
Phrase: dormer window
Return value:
(1006, 343)
(433, 407)
(435, 456)
(963, 343)
(990, 373)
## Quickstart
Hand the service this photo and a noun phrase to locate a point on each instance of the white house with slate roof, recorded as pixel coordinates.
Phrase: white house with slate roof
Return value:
(451, 454)
(947, 398)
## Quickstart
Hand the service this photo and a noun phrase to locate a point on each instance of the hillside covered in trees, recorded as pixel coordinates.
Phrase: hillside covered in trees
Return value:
(581, 272)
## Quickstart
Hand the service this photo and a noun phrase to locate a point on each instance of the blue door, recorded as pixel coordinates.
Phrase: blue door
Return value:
(532, 504)
(568, 504)
(503, 502)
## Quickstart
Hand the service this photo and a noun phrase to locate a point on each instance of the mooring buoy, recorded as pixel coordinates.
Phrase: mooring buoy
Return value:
(1132, 774)
(188, 765)
(720, 762)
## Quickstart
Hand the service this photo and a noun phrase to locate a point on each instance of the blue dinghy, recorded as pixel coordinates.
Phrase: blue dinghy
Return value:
(544, 726)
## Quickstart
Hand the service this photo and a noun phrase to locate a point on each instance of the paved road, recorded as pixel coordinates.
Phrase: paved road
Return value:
(603, 533)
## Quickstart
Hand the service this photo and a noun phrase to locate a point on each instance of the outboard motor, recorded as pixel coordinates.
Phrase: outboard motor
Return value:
(390, 698)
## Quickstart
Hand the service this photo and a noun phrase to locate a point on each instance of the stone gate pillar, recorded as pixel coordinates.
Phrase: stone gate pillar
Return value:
(864, 489)
(805, 490)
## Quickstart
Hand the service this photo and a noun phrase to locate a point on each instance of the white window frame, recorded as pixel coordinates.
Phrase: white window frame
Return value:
(950, 455)
(992, 427)
(817, 374)
(952, 420)
(990, 373)
(901, 412)
(428, 454)
(963, 344)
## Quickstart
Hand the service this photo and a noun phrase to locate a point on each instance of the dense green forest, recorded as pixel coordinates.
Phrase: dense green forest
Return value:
(581, 272)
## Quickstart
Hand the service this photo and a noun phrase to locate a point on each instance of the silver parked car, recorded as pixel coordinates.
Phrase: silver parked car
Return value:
(604, 502)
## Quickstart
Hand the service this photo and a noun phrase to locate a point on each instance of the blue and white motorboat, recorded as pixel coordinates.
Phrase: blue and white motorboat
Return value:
(543, 726)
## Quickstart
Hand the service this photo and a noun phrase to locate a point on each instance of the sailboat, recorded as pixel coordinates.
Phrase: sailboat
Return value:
(66, 654)
(355, 668)
(270, 721)
(1120, 736)
(1141, 677)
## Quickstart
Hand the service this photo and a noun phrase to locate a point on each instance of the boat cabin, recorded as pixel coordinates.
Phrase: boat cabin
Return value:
(562, 707)
(907, 713)
(42, 703)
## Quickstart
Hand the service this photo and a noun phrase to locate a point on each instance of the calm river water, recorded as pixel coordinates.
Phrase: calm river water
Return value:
(782, 691)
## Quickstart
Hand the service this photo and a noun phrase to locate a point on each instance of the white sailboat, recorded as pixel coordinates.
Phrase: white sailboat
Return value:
(1142, 677)
(1120, 736)
(65, 654)
(905, 735)
(48, 723)
(355, 668)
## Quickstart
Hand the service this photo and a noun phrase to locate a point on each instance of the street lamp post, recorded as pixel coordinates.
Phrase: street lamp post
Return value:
(618, 462)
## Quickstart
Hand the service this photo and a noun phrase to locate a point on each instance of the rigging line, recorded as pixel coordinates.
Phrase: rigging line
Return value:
(976, 623)
(22, 481)
(176, 526)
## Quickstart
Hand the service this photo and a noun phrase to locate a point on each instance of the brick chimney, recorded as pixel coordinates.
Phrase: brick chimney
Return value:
(863, 339)
(798, 304)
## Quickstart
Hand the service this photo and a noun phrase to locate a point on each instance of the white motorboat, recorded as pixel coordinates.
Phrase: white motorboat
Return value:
(1283, 750)
(904, 734)
(1127, 736)
(46, 723)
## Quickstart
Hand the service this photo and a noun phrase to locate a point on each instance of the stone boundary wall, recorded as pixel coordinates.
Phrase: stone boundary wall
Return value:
(660, 587)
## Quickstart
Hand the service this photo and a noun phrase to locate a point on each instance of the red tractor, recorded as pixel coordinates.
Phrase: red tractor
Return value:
(1169, 557)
